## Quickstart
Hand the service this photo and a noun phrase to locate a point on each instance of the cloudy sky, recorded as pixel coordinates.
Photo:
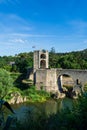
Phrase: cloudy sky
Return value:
(26, 25)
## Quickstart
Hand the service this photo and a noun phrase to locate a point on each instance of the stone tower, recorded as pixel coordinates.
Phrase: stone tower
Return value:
(44, 78)
(41, 60)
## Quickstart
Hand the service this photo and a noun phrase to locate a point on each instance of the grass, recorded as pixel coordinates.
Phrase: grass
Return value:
(31, 94)
(35, 95)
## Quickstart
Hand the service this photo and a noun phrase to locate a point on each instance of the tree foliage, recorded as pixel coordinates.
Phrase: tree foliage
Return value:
(23, 61)
(71, 60)
(6, 82)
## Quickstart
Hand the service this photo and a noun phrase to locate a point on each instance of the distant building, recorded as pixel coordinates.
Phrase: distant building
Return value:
(12, 63)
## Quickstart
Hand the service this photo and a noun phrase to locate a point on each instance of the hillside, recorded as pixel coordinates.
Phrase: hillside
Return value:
(23, 61)
(71, 60)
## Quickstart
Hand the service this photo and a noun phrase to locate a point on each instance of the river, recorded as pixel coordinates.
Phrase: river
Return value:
(26, 111)
(48, 107)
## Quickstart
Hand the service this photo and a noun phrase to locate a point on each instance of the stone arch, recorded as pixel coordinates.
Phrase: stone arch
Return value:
(43, 56)
(79, 77)
(64, 80)
(43, 64)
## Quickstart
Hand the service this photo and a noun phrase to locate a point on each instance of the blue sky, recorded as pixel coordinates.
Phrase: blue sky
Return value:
(61, 24)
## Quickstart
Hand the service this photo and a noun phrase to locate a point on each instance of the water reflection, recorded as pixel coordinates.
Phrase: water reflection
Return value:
(47, 108)
(52, 107)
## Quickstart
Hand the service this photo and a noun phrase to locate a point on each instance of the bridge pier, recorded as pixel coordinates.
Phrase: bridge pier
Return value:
(78, 87)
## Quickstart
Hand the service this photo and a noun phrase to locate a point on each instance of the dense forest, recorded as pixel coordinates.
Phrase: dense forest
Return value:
(21, 62)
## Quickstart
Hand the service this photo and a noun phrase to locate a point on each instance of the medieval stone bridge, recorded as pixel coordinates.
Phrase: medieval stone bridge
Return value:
(75, 74)
(50, 79)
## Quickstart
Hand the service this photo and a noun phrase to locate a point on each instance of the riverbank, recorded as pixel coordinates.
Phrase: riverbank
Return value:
(16, 96)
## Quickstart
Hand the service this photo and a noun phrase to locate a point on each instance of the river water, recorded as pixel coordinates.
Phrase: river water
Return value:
(25, 111)
(48, 107)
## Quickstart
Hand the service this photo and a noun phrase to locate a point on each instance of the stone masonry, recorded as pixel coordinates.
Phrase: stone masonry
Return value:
(50, 79)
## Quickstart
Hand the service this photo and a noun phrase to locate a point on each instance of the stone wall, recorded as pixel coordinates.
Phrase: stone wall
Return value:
(51, 80)
(41, 79)
(74, 74)
(46, 79)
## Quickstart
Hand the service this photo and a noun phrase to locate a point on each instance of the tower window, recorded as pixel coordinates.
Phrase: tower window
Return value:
(43, 56)
(43, 64)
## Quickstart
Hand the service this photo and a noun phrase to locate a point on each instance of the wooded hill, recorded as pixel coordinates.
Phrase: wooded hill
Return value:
(21, 62)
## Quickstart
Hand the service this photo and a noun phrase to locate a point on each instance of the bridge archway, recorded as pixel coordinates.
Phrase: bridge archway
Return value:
(65, 81)
(78, 82)
(78, 76)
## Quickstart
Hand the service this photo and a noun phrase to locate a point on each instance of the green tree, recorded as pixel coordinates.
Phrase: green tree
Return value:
(23, 62)
(52, 50)
(6, 82)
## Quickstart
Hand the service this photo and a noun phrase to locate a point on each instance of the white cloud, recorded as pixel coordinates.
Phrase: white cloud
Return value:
(32, 35)
(18, 40)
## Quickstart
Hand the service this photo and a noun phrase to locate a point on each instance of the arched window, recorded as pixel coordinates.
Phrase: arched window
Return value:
(43, 56)
(43, 64)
